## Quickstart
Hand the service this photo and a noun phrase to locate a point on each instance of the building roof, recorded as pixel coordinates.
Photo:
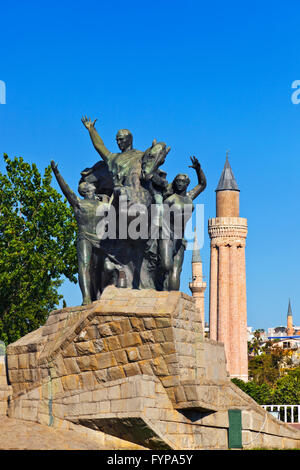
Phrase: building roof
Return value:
(227, 180)
(196, 258)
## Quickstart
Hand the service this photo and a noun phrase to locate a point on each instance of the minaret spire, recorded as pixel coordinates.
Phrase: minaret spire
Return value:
(227, 193)
(289, 308)
(290, 327)
(227, 297)
(227, 180)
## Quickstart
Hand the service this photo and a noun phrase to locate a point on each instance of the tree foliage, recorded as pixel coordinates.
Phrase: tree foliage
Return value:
(272, 380)
(266, 360)
(37, 246)
(265, 368)
(284, 391)
(258, 345)
(262, 393)
(255, 346)
(287, 388)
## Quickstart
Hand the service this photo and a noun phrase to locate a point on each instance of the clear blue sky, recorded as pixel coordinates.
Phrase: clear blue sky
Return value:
(202, 76)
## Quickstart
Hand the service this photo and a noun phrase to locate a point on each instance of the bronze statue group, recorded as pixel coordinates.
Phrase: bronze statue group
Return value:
(130, 221)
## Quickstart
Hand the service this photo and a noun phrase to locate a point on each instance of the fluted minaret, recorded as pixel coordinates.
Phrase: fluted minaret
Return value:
(197, 285)
(227, 302)
(290, 327)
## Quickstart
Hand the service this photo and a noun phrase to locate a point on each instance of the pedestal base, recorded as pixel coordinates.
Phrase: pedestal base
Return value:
(134, 365)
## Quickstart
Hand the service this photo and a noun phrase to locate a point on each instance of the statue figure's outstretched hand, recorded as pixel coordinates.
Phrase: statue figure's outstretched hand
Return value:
(195, 163)
(87, 122)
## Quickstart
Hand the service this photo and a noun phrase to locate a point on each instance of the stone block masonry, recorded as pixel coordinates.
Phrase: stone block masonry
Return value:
(132, 366)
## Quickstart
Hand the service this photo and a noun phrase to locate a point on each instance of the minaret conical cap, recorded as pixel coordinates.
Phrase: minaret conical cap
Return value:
(227, 180)
(196, 258)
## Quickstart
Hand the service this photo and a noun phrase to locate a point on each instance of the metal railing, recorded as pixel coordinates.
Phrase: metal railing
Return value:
(286, 413)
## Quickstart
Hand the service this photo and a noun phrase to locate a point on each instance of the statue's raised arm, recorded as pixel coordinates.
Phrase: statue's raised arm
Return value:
(193, 193)
(70, 195)
(96, 139)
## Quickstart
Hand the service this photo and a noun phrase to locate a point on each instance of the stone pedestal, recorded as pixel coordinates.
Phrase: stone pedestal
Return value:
(133, 366)
(5, 389)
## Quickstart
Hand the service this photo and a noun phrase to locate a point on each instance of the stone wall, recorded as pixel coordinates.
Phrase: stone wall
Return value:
(134, 366)
(5, 389)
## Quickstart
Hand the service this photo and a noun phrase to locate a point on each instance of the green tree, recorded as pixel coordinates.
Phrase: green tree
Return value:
(287, 389)
(258, 345)
(254, 346)
(37, 246)
(262, 393)
(265, 368)
(266, 360)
